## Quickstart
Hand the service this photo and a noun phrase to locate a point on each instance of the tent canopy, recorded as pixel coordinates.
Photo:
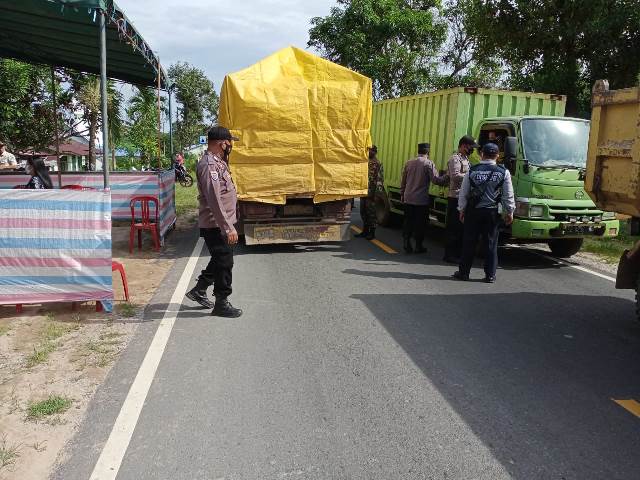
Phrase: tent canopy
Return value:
(65, 33)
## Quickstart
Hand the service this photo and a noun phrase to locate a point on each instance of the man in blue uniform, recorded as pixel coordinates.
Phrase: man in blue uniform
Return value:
(484, 188)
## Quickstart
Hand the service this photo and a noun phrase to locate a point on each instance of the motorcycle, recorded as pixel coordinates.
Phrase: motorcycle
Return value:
(182, 176)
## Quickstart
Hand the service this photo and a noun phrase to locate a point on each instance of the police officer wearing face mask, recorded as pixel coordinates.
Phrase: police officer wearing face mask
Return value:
(457, 168)
(217, 218)
(484, 188)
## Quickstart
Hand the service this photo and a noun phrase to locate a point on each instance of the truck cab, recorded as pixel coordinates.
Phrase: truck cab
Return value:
(547, 160)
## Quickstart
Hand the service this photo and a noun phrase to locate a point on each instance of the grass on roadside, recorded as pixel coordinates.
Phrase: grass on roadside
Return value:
(8, 453)
(52, 332)
(40, 354)
(610, 249)
(186, 198)
(127, 310)
(51, 406)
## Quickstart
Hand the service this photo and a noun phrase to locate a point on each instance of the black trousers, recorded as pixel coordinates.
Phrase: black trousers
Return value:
(480, 223)
(219, 270)
(415, 222)
(455, 230)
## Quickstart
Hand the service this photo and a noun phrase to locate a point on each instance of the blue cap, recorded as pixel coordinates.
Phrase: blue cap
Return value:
(490, 149)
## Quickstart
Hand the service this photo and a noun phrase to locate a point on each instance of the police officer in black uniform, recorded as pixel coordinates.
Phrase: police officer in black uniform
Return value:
(484, 188)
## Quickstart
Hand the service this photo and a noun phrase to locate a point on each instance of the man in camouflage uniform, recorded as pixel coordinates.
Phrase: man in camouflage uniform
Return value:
(368, 203)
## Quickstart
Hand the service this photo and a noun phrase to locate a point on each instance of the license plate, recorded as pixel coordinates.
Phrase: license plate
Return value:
(570, 229)
(294, 234)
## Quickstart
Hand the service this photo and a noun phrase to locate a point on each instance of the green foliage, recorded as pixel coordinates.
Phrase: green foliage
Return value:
(560, 47)
(26, 106)
(394, 42)
(462, 65)
(142, 130)
(197, 103)
(53, 405)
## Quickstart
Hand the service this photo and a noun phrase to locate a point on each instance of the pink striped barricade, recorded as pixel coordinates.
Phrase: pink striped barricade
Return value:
(55, 246)
(124, 186)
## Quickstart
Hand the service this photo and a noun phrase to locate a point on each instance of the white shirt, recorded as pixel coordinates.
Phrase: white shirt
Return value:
(8, 159)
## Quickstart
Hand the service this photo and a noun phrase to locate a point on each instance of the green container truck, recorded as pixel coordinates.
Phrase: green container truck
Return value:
(545, 152)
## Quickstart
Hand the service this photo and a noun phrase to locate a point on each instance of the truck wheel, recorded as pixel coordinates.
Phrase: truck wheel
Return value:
(566, 247)
(383, 210)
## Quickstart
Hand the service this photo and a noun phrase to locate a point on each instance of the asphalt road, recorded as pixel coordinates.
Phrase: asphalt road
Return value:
(353, 363)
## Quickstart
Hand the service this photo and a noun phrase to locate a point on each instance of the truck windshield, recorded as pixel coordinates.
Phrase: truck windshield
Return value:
(555, 143)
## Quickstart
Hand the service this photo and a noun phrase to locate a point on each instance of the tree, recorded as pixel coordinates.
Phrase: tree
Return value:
(142, 129)
(561, 46)
(26, 106)
(197, 103)
(461, 64)
(394, 42)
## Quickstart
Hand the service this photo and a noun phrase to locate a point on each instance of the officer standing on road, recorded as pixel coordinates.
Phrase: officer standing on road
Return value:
(368, 203)
(484, 188)
(457, 168)
(417, 176)
(217, 218)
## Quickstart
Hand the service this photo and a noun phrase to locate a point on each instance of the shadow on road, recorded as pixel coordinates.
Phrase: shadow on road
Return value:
(532, 374)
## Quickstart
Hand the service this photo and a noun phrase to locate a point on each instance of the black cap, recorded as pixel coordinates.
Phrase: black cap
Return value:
(490, 149)
(424, 146)
(373, 148)
(220, 133)
(468, 140)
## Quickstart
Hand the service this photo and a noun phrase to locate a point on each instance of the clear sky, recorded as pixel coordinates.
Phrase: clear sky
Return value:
(222, 36)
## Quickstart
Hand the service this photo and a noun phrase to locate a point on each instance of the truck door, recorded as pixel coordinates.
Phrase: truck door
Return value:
(497, 133)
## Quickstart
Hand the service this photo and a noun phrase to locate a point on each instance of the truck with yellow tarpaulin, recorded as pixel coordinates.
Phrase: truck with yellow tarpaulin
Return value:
(613, 168)
(304, 129)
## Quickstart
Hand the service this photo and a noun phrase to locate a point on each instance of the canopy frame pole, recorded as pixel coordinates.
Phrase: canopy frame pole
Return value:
(55, 122)
(159, 121)
(103, 95)
(170, 122)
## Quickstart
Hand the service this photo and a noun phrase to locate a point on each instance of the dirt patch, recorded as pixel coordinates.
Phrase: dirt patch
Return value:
(52, 360)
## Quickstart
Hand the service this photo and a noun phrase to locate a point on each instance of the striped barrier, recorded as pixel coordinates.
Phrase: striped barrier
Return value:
(124, 186)
(55, 246)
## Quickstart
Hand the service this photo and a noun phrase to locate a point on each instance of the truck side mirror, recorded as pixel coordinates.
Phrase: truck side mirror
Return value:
(510, 152)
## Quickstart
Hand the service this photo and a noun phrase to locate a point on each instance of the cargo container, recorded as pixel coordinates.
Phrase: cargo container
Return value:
(545, 152)
(613, 168)
(304, 128)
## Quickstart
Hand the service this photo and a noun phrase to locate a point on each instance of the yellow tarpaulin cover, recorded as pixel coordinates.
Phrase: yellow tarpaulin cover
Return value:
(304, 128)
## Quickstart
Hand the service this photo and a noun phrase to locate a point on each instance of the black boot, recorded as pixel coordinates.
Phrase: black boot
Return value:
(372, 234)
(199, 295)
(407, 245)
(363, 233)
(224, 309)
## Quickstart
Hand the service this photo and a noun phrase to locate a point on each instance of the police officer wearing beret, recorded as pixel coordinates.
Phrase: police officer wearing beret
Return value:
(484, 187)
(218, 204)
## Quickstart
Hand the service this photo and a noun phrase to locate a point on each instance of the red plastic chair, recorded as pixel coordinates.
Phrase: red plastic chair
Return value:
(120, 268)
(76, 187)
(145, 223)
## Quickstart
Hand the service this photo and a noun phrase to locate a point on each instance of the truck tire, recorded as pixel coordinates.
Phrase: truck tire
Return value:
(565, 247)
(383, 210)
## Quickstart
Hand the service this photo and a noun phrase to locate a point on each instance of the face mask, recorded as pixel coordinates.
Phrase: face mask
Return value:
(226, 148)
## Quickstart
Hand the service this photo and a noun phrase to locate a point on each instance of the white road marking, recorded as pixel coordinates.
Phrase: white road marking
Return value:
(114, 450)
(568, 264)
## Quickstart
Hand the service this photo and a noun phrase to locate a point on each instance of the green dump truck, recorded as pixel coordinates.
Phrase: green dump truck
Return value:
(545, 152)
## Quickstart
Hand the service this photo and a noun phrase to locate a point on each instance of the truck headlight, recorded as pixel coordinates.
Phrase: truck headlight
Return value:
(536, 211)
(522, 209)
(608, 215)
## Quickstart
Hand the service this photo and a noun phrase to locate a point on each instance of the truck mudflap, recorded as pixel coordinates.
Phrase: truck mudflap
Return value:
(629, 269)
(264, 234)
